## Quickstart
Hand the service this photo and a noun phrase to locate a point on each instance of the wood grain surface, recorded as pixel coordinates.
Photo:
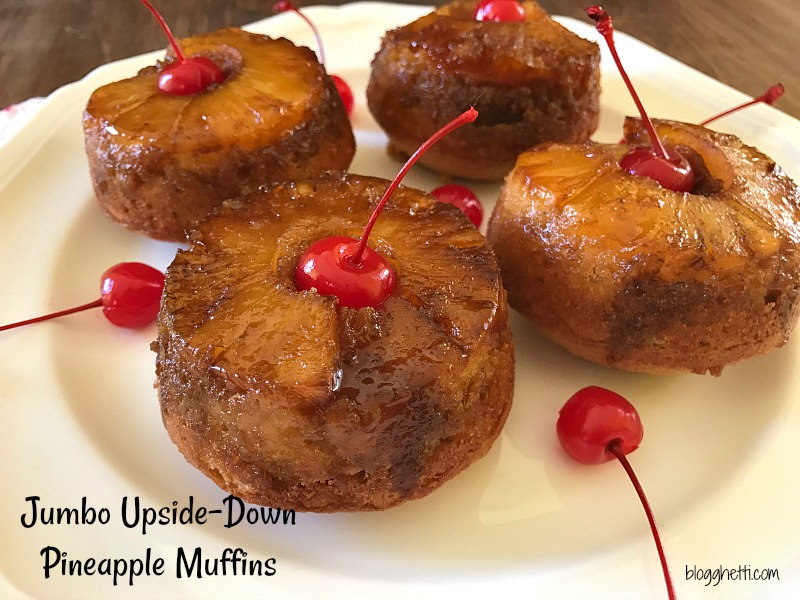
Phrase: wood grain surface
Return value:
(47, 43)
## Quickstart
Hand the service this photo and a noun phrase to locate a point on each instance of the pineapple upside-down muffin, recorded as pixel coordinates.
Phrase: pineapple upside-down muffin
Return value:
(160, 163)
(624, 272)
(285, 398)
(532, 81)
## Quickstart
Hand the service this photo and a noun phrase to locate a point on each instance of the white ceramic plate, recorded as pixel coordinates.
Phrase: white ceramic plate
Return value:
(81, 418)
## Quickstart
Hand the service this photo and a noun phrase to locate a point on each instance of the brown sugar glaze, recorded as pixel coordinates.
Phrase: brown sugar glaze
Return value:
(531, 82)
(624, 272)
(283, 397)
(161, 163)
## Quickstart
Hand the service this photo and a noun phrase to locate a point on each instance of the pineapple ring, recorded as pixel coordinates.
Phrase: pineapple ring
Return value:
(162, 163)
(531, 82)
(285, 399)
(623, 272)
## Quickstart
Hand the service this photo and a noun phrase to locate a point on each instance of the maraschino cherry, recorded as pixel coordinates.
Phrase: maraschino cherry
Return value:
(597, 425)
(341, 85)
(130, 294)
(187, 75)
(508, 11)
(658, 162)
(768, 97)
(463, 198)
(349, 269)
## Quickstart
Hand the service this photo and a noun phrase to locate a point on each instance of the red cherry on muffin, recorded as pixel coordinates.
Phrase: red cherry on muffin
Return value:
(597, 425)
(768, 97)
(189, 75)
(341, 85)
(508, 11)
(462, 198)
(658, 162)
(349, 269)
(130, 294)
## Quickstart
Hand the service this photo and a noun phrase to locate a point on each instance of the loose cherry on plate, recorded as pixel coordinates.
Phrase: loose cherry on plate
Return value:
(662, 164)
(597, 425)
(187, 75)
(341, 85)
(130, 294)
(349, 269)
(768, 97)
(463, 198)
(508, 11)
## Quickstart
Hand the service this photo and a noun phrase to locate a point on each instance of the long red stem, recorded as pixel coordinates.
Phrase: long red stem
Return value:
(54, 315)
(466, 117)
(175, 46)
(284, 6)
(606, 29)
(768, 97)
(614, 448)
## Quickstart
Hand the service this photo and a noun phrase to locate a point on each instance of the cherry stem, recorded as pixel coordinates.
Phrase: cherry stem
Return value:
(175, 46)
(768, 97)
(605, 27)
(285, 5)
(466, 117)
(616, 450)
(54, 315)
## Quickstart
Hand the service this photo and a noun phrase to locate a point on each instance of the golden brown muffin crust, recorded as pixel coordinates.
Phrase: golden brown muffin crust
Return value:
(623, 272)
(285, 399)
(531, 82)
(162, 163)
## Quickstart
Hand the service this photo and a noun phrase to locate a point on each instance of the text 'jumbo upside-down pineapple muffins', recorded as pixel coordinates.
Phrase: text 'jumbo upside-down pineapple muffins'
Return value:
(161, 162)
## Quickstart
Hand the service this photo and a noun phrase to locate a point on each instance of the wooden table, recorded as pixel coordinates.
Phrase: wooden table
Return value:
(44, 45)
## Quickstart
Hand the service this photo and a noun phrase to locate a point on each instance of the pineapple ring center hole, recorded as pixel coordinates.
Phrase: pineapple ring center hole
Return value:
(227, 58)
(705, 183)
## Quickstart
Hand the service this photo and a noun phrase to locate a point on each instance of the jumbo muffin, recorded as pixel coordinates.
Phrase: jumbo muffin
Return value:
(160, 163)
(531, 82)
(285, 398)
(624, 272)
